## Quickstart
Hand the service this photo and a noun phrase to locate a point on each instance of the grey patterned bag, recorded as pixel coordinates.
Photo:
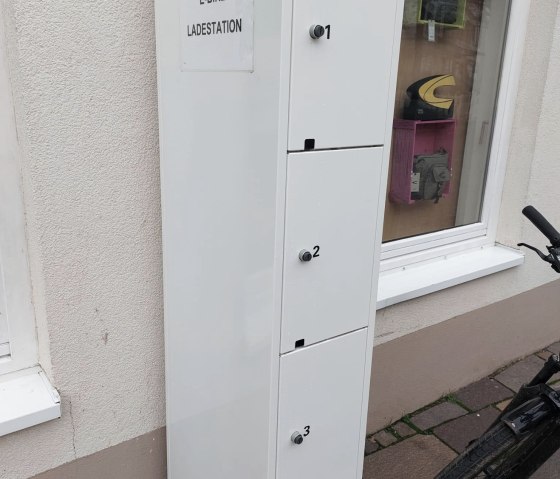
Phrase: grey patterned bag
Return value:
(432, 175)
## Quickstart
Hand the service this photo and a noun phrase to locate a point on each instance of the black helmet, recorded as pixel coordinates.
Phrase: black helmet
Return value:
(423, 104)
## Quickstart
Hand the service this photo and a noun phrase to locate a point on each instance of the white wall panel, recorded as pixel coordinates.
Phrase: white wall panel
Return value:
(339, 88)
(321, 397)
(219, 161)
(331, 211)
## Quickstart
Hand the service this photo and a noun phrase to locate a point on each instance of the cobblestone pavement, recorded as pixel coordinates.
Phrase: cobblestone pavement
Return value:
(423, 442)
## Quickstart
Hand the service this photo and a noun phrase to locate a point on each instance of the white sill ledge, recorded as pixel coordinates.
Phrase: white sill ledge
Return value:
(26, 399)
(414, 281)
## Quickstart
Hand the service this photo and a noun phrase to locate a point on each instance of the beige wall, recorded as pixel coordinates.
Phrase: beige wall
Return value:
(419, 368)
(139, 458)
(84, 84)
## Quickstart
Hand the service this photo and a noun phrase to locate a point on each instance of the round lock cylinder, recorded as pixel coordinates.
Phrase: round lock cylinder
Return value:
(297, 438)
(316, 31)
(305, 256)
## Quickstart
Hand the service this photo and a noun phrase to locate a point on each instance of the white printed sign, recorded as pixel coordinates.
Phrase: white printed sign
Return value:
(217, 35)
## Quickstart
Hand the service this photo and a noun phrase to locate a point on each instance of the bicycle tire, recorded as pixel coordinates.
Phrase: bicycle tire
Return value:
(480, 455)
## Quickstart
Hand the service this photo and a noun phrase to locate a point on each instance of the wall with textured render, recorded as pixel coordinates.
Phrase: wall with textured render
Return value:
(84, 81)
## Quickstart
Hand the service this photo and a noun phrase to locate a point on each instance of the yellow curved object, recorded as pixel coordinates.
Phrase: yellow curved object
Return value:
(427, 91)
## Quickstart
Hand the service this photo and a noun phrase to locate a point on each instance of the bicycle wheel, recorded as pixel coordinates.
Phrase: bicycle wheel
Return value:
(499, 454)
(480, 455)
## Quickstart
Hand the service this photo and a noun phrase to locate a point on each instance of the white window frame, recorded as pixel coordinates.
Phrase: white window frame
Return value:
(435, 246)
(26, 396)
(15, 283)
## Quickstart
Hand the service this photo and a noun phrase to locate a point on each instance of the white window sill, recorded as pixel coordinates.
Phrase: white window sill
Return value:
(418, 280)
(26, 399)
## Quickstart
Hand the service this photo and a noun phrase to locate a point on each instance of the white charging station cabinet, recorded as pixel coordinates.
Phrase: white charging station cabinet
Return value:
(275, 123)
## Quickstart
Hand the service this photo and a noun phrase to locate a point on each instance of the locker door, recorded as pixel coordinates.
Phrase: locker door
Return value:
(331, 211)
(340, 81)
(321, 398)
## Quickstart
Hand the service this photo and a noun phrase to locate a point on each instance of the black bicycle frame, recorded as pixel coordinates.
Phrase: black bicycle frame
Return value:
(536, 405)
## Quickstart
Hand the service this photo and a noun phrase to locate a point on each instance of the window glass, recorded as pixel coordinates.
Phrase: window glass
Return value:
(447, 88)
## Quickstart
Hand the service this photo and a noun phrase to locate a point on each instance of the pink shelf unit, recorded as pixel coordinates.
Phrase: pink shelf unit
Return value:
(412, 138)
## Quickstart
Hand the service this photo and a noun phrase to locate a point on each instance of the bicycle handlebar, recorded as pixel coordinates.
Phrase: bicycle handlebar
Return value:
(543, 225)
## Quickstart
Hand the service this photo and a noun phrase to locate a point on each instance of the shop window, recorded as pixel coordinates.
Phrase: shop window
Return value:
(445, 116)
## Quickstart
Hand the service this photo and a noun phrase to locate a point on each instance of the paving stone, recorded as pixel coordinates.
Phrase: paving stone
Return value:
(554, 348)
(461, 431)
(543, 354)
(403, 429)
(419, 457)
(483, 393)
(437, 414)
(521, 372)
(501, 406)
(384, 438)
(549, 470)
(371, 447)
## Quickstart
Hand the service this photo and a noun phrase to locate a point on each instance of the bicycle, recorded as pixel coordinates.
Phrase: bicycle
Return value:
(527, 432)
